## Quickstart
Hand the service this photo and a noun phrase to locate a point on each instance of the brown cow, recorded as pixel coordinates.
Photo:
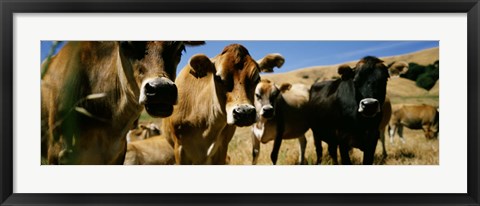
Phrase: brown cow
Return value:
(281, 111)
(155, 150)
(215, 96)
(415, 117)
(93, 92)
(143, 132)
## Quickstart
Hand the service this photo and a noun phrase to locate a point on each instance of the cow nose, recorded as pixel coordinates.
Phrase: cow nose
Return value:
(161, 90)
(267, 111)
(244, 115)
(369, 106)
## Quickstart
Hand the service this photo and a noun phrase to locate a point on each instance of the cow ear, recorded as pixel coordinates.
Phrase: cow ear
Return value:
(345, 71)
(270, 61)
(194, 43)
(285, 87)
(200, 66)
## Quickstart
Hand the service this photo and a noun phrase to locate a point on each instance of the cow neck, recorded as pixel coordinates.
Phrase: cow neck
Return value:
(127, 80)
(128, 105)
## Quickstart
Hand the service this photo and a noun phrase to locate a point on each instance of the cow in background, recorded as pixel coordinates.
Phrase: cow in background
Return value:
(281, 114)
(346, 112)
(422, 116)
(93, 91)
(155, 150)
(215, 96)
(395, 69)
(143, 132)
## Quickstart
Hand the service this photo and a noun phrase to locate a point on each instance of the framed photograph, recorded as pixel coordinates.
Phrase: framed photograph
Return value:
(308, 45)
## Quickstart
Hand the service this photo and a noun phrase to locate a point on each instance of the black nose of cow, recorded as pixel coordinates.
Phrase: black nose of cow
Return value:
(244, 115)
(161, 90)
(159, 95)
(267, 112)
(369, 107)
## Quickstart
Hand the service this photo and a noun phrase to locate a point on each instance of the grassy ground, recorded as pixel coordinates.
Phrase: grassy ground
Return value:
(417, 150)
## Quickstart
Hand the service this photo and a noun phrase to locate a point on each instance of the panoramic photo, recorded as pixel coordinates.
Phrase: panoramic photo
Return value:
(239, 102)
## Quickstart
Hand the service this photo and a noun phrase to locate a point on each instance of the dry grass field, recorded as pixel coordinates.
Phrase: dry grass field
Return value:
(416, 151)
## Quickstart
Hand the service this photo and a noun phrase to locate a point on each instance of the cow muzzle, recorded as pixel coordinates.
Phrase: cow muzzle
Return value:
(267, 112)
(158, 96)
(244, 115)
(369, 107)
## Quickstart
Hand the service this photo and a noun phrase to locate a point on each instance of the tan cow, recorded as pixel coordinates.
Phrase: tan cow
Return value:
(280, 110)
(422, 116)
(395, 69)
(92, 93)
(155, 150)
(143, 132)
(215, 96)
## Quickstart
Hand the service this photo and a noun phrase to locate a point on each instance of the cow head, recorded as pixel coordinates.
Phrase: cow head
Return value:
(395, 69)
(153, 67)
(369, 78)
(266, 96)
(235, 75)
(143, 132)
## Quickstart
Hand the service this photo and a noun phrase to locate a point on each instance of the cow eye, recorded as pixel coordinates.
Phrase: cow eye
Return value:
(141, 70)
(275, 93)
(218, 78)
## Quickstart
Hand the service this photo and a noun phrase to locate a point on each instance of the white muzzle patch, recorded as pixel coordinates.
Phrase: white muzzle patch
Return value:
(363, 102)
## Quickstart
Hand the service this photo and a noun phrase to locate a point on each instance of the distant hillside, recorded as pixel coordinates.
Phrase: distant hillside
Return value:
(396, 86)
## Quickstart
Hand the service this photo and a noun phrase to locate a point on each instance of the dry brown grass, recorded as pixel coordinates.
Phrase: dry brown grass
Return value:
(417, 150)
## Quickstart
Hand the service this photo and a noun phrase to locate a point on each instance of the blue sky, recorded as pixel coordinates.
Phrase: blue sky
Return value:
(301, 54)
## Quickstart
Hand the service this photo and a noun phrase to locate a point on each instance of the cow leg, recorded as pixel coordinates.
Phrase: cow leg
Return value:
(400, 133)
(344, 153)
(426, 130)
(218, 154)
(178, 153)
(382, 139)
(278, 139)
(318, 146)
(391, 132)
(370, 146)
(332, 151)
(275, 150)
(303, 144)
(255, 149)
(131, 157)
(52, 155)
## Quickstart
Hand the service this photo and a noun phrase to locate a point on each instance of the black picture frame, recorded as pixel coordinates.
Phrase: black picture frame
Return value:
(10, 7)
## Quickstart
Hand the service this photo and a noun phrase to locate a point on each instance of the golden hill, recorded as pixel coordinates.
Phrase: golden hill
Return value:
(396, 86)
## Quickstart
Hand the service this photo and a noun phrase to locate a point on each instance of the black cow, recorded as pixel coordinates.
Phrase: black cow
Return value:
(346, 112)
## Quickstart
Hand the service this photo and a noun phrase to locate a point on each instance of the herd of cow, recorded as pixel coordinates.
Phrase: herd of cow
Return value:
(93, 93)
